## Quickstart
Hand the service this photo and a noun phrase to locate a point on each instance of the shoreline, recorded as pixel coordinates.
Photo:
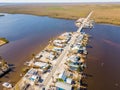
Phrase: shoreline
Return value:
(14, 76)
(3, 41)
(105, 23)
(48, 47)
(69, 12)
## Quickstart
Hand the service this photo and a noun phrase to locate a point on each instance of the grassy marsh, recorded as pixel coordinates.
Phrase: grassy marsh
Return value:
(103, 13)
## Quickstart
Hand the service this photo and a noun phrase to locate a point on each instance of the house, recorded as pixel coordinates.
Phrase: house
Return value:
(76, 47)
(73, 66)
(57, 49)
(42, 65)
(73, 58)
(59, 45)
(32, 76)
(33, 79)
(69, 80)
(47, 55)
(57, 41)
(62, 76)
(63, 86)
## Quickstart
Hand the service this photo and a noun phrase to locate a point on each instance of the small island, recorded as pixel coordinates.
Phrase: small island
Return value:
(3, 41)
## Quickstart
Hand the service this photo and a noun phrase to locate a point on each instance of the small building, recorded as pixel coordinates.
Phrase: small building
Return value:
(59, 45)
(57, 49)
(47, 55)
(33, 79)
(62, 76)
(74, 58)
(63, 86)
(42, 65)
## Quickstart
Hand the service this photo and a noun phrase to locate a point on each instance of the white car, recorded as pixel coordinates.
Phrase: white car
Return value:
(7, 85)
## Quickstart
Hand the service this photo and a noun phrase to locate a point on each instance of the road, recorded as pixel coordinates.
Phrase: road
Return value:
(86, 19)
(63, 55)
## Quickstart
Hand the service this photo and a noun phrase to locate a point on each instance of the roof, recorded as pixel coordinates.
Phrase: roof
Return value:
(34, 77)
(62, 76)
(73, 58)
(63, 85)
(40, 64)
(69, 80)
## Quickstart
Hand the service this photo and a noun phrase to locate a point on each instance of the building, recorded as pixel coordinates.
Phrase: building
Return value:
(63, 86)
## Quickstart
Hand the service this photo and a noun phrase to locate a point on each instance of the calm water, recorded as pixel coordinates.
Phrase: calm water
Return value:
(28, 33)
(104, 58)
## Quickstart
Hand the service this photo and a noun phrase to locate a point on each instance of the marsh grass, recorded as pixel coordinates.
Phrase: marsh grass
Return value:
(103, 13)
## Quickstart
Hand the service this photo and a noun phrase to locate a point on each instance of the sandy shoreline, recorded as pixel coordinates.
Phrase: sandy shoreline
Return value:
(14, 75)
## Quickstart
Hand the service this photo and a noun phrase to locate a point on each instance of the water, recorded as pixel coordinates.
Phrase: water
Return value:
(104, 58)
(28, 33)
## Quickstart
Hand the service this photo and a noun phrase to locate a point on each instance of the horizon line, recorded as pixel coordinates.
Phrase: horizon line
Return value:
(62, 2)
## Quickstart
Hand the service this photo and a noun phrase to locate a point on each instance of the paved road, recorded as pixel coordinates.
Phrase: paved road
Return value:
(85, 20)
(59, 60)
(64, 54)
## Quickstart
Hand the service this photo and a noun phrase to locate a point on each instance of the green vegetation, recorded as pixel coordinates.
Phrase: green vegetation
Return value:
(3, 62)
(25, 70)
(60, 80)
(4, 39)
(103, 13)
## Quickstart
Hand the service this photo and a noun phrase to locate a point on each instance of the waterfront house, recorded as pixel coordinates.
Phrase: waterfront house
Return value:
(65, 76)
(45, 56)
(42, 66)
(32, 76)
(59, 45)
(57, 49)
(34, 79)
(73, 58)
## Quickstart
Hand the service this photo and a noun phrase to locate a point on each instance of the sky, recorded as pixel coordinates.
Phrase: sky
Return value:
(3, 1)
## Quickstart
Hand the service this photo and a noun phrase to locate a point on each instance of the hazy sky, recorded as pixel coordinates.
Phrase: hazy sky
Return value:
(59, 0)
